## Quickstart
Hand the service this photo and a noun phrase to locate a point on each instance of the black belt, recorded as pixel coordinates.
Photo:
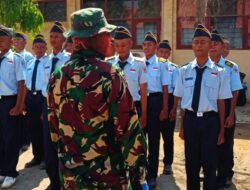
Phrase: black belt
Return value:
(7, 97)
(154, 94)
(201, 114)
(39, 92)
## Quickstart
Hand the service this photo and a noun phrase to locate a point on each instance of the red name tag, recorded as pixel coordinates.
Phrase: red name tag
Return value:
(214, 74)
(132, 70)
(155, 68)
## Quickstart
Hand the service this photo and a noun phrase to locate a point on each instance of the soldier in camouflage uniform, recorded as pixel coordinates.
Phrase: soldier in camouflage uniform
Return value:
(92, 118)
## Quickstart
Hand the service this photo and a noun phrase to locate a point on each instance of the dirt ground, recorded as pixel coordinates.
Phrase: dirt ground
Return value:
(36, 179)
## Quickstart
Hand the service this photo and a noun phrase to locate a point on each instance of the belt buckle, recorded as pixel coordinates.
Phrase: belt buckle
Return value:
(199, 114)
(34, 93)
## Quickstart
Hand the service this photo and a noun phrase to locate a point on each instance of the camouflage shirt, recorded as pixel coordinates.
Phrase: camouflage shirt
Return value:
(94, 125)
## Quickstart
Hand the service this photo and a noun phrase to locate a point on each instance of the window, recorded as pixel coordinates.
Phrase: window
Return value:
(139, 16)
(53, 10)
(229, 17)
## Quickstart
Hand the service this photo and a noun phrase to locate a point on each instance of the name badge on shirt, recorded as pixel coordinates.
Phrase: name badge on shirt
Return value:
(155, 68)
(132, 70)
(10, 61)
(188, 78)
(214, 74)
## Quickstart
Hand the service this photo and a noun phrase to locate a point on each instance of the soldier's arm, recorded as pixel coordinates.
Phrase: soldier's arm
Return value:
(143, 91)
(127, 129)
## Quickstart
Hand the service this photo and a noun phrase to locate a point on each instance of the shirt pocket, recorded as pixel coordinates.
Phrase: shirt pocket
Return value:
(154, 76)
(188, 87)
(212, 88)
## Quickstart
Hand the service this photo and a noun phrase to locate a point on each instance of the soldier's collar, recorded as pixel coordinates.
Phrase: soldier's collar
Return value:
(87, 53)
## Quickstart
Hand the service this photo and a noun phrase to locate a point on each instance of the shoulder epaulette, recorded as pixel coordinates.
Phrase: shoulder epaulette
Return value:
(163, 60)
(175, 65)
(17, 54)
(229, 63)
(218, 65)
(185, 64)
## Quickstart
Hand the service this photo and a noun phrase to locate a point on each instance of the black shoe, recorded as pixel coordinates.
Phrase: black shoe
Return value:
(167, 170)
(42, 166)
(32, 163)
(229, 182)
(152, 183)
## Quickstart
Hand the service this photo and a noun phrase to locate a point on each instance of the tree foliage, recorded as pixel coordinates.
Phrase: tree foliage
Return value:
(21, 15)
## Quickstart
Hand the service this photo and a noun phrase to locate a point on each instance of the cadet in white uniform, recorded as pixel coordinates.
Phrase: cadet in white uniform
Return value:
(12, 94)
(232, 72)
(34, 100)
(157, 88)
(167, 130)
(57, 58)
(202, 87)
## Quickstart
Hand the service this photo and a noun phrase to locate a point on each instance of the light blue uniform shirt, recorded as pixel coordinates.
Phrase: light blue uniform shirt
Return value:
(11, 71)
(63, 57)
(158, 75)
(27, 56)
(135, 73)
(173, 72)
(214, 86)
(232, 73)
(40, 73)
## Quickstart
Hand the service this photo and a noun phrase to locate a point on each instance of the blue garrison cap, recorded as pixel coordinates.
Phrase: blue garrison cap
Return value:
(20, 35)
(6, 31)
(39, 38)
(122, 33)
(164, 44)
(202, 31)
(216, 36)
(57, 27)
(150, 37)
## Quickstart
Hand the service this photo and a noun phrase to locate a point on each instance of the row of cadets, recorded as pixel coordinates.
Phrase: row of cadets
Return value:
(158, 80)
(225, 172)
(12, 95)
(168, 127)
(57, 58)
(202, 87)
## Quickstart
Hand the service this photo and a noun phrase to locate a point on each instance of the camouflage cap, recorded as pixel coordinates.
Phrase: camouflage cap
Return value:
(88, 22)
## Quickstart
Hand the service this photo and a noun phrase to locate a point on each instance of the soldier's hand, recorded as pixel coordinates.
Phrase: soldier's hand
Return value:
(172, 115)
(163, 114)
(143, 120)
(220, 138)
(229, 121)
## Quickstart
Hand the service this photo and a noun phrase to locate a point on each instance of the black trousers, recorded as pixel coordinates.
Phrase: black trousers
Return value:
(34, 105)
(153, 132)
(25, 137)
(167, 132)
(9, 137)
(201, 135)
(226, 153)
(50, 153)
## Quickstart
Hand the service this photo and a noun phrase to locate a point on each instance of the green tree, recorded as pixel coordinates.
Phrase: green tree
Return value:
(21, 15)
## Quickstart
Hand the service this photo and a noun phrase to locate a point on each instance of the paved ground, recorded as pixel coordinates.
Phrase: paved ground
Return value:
(36, 179)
